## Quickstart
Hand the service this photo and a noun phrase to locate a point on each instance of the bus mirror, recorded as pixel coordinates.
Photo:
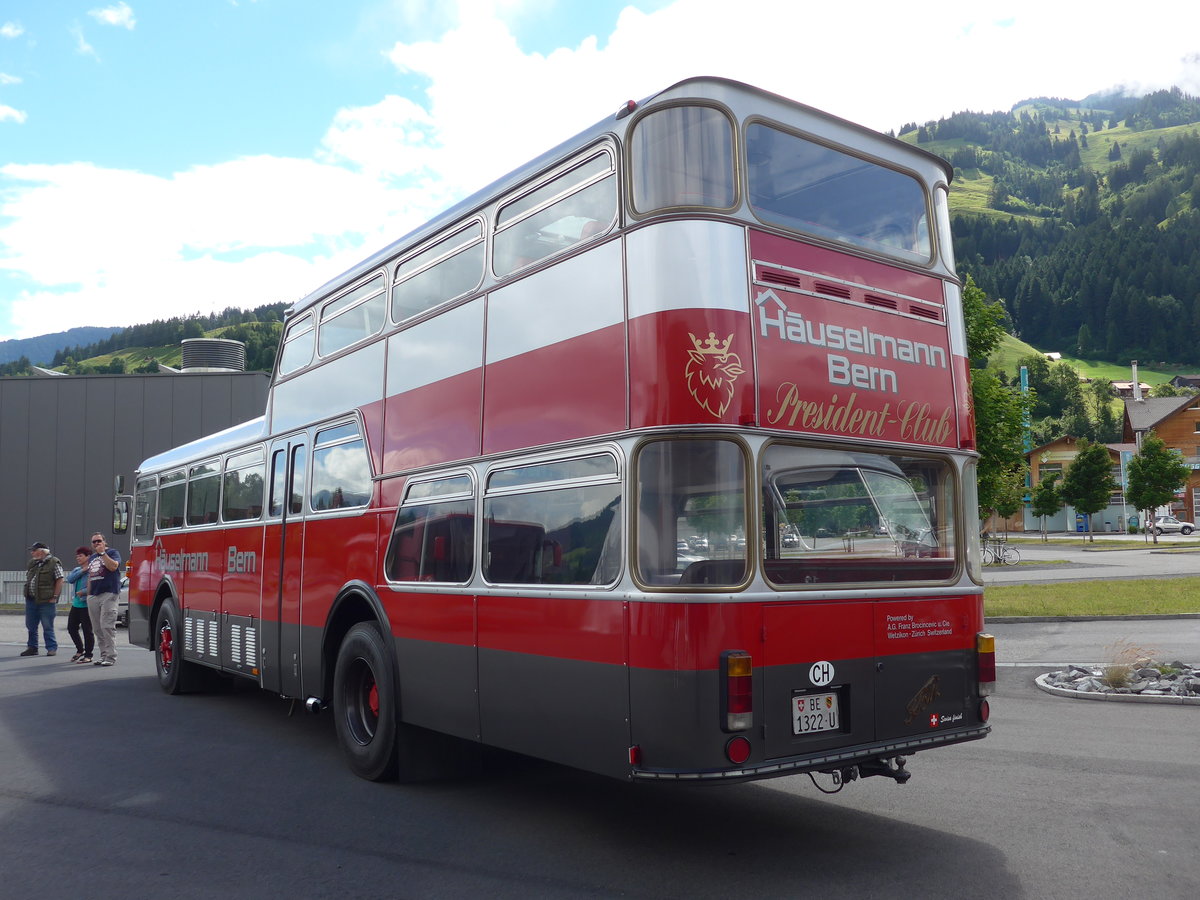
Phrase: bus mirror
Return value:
(118, 484)
(120, 523)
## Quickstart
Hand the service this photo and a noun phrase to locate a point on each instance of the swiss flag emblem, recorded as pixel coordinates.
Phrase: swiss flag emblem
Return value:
(933, 721)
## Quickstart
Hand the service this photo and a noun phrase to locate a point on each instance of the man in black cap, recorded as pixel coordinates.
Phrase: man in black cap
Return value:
(43, 585)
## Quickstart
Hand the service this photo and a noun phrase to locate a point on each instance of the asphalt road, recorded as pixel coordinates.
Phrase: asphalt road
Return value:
(1102, 559)
(111, 789)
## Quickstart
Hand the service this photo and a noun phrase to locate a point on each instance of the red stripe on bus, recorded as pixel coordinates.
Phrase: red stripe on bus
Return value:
(572, 389)
(433, 424)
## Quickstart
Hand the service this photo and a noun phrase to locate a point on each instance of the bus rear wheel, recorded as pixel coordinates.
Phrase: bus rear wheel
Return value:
(364, 703)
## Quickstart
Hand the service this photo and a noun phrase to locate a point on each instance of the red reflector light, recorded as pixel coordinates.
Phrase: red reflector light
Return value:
(635, 755)
(738, 750)
(984, 710)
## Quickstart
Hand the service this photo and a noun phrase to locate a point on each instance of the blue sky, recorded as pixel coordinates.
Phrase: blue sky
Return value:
(161, 158)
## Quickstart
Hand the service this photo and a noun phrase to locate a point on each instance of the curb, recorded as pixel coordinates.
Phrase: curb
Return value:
(1040, 681)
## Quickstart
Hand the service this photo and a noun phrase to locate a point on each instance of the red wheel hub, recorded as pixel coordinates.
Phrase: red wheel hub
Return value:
(166, 646)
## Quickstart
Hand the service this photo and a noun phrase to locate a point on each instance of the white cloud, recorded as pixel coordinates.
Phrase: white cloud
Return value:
(261, 229)
(252, 231)
(82, 47)
(8, 114)
(5, 78)
(11, 30)
(120, 15)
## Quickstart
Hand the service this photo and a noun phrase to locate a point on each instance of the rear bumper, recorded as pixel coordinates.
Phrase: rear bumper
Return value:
(847, 756)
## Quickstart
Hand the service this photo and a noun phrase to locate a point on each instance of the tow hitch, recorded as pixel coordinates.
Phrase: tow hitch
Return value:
(891, 768)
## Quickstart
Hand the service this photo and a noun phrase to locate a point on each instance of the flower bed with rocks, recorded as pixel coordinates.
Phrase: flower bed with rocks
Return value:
(1145, 680)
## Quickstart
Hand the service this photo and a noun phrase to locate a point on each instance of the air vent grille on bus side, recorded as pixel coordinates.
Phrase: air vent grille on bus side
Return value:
(926, 312)
(832, 290)
(885, 302)
(777, 277)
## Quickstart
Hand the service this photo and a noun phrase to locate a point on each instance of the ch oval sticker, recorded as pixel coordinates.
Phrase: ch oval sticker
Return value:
(821, 673)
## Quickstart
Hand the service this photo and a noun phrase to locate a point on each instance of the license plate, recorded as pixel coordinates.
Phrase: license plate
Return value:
(815, 712)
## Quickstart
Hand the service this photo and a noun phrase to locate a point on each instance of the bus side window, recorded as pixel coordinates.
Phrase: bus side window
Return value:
(555, 216)
(171, 498)
(341, 476)
(568, 535)
(434, 535)
(242, 493)
(145, 508)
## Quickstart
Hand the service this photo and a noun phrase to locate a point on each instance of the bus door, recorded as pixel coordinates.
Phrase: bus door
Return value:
(283, 553)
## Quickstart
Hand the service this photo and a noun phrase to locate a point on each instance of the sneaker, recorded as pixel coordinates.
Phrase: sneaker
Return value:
(51, 652)
(108, 662)
(29, 651)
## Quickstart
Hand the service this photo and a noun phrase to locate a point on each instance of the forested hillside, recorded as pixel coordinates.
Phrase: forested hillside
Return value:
(1084, 217)
(140, 348)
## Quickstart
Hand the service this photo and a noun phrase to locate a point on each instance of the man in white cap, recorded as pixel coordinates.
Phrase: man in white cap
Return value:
(43, 585)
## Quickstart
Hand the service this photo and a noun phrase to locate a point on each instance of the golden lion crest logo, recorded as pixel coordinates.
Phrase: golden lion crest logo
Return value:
(711, 371)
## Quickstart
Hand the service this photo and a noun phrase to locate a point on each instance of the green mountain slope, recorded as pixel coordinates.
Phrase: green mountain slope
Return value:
(1084, 218)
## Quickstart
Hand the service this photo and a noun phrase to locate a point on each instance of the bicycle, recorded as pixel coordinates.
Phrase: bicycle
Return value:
(1000, 553)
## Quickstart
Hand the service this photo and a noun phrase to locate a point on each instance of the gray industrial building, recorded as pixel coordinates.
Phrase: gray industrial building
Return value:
(64, 437)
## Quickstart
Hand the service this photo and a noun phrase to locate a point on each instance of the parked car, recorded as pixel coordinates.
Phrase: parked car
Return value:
(123, 604)
(1165, 524)
(681, 546)
(698, 542)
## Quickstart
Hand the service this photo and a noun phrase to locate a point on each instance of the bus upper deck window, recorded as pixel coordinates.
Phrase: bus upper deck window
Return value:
(297, 345)
(683, 156)
(800, 184)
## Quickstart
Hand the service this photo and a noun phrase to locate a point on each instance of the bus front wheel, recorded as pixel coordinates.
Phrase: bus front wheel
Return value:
(174, 675)
(364, 703)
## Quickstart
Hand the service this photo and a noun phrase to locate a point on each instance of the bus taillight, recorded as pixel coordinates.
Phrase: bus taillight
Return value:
(985, 655)
(737, 673)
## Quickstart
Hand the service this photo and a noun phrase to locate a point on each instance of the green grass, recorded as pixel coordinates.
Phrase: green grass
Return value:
(1133, 542)
(1151, 596)
(1012, 350)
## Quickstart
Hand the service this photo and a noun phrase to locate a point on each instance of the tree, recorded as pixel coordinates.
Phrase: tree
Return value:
(1046, 500)
(1166, 389)
(1011, 495)
(1000, 409)
(1089, 484)
(1155, 473)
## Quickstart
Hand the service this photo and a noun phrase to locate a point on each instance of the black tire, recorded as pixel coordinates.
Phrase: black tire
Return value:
(174, 675)
(1157, 530)
(1185, 530)
(365, 703)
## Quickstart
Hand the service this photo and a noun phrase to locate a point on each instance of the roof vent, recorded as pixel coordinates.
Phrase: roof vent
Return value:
(213, 355)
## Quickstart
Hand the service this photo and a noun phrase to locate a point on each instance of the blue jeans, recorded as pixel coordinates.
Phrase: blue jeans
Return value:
(41, 613)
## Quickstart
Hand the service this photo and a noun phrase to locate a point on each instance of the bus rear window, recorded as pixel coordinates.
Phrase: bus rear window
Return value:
(800, 184)
(834, 516)
(691, 514)
(683, 157)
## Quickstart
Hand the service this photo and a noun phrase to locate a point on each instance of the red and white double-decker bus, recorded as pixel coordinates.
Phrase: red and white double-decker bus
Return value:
(654, 458)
